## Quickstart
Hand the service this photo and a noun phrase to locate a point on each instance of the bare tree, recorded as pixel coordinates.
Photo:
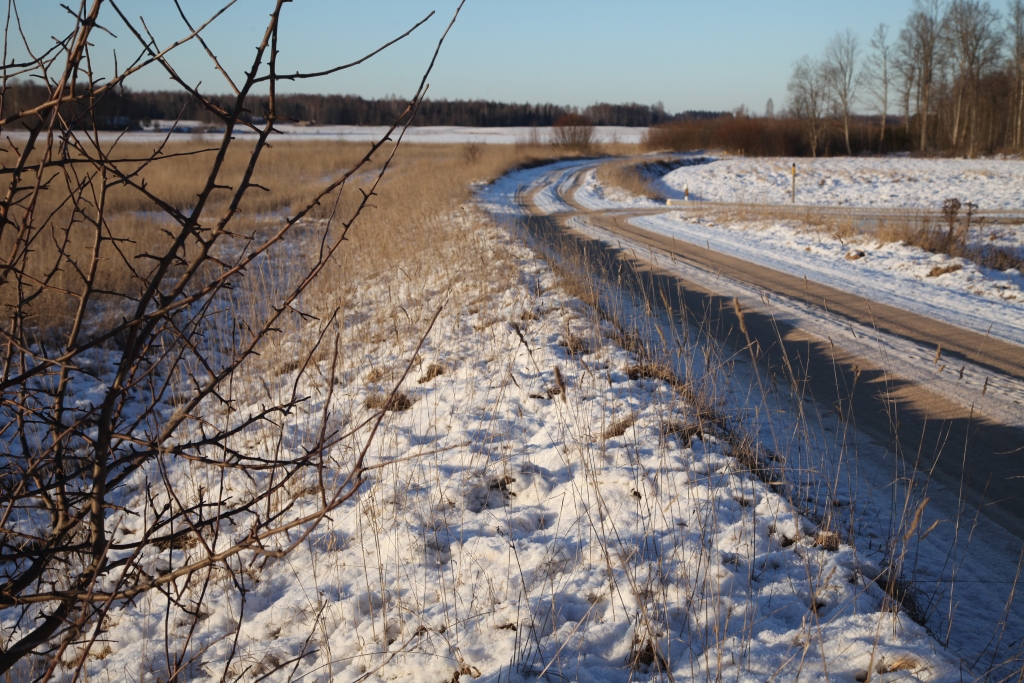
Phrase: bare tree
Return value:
(573, 132)
(161, 355)
(1015, 27)
(920, 44)
(972, 41)
(840, 71)
(808, 93)
(905, 68)
(877, 74)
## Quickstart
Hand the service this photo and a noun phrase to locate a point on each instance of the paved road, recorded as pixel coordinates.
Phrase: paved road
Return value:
(963, 450)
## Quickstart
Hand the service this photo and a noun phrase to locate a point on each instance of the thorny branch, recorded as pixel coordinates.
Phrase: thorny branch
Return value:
(71, 549)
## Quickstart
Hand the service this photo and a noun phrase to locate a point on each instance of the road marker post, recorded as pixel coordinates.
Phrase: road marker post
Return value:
(793, 193)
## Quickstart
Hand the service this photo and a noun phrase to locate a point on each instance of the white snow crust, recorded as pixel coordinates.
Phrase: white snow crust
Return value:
(830, 461)
(518, 527)
(509, 135)
(892, 182)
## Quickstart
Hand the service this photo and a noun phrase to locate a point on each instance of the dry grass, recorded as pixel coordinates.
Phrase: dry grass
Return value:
(433, 370)
(424, 184)
(397, 403)
(942, 270)
(628, 177)
(925, 230)
(618, 428)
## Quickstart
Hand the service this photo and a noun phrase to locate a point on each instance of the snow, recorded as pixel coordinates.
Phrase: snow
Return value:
(973, 297)
(593, 195)
(891, 182)
(500, 198)
(516, 526)
(970, 296)
(967, 564)
(509, 135)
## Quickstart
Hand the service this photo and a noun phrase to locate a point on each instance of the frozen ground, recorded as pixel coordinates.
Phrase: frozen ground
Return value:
(966, 566)
(974, 297)
(971, 296)
(891, 182)
(593, 195)
(520, 526)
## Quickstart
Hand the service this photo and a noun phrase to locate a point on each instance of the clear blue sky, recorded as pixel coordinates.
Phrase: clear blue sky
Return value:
(688, 54)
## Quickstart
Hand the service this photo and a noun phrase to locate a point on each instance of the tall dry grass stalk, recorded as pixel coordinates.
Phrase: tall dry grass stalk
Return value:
(628, 176)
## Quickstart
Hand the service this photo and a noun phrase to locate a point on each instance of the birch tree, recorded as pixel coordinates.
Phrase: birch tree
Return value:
(877, 74)
(839, 69)
(972, 41)
(920, 43)
(1015, 17)
(808, 99)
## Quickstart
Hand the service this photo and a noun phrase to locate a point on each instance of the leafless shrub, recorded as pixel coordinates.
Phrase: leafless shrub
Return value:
(471, 152)
(574, 133)
(168, 350)
(950, 211)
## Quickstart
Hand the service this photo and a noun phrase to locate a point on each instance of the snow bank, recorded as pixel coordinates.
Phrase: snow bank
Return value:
(542, 508)
(969, 296)
(592, 195)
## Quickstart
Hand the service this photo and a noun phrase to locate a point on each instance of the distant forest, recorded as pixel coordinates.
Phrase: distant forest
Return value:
(953, 73)
(128, 108)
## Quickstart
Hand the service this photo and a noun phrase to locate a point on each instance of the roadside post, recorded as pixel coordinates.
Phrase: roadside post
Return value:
(686, 192)
(792, 198)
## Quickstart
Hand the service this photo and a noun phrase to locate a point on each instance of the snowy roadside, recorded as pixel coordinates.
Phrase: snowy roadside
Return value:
(540, 504)
(971, 296)
(953, 290)
(965, 566)
(593, 195)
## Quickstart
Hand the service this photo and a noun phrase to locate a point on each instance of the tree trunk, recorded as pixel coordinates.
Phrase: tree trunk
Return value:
(922, 115)
(846, 131)
(1019, 128)
(885, 109)
(956, 116)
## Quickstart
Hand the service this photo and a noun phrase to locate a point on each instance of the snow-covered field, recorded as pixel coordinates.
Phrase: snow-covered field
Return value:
(546, 506)
(968, 295)
(891, 182)
(542, 509)
(419, 134)
(961, 602)
(973, 297)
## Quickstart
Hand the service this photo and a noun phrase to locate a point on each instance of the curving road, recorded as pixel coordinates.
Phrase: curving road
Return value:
(969, 441)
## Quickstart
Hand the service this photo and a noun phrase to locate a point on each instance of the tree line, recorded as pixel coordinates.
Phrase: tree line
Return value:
(954, 74)
(949, 82)
(133, 108)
